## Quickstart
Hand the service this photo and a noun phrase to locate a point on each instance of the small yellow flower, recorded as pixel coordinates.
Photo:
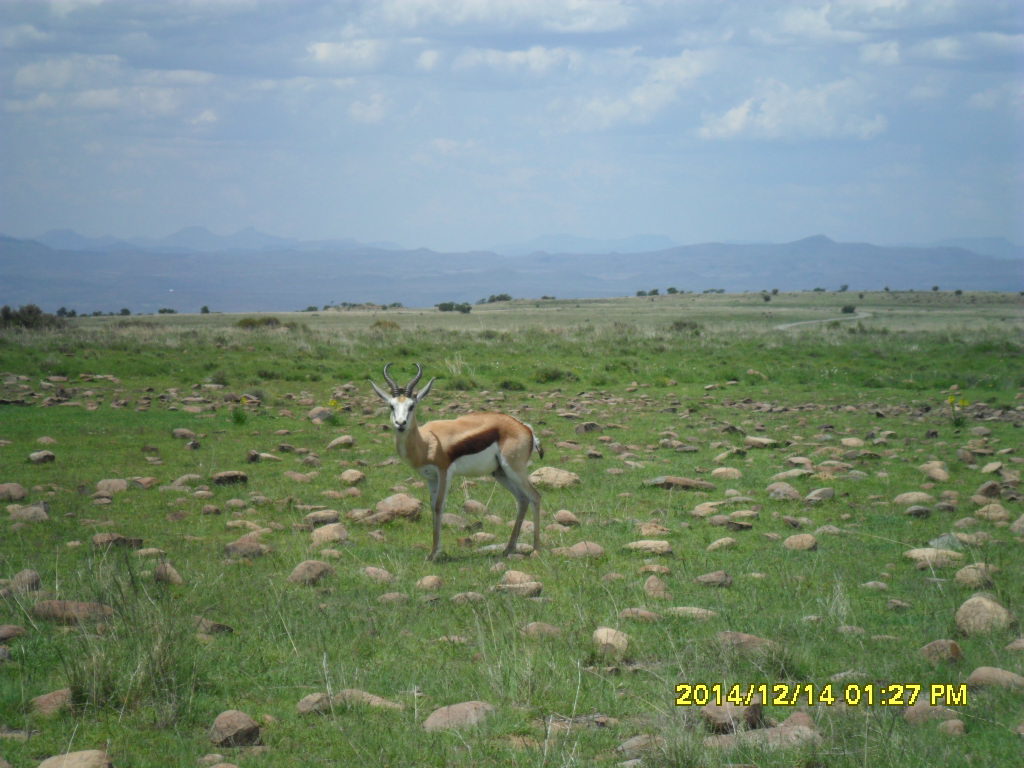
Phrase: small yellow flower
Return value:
(963, 403)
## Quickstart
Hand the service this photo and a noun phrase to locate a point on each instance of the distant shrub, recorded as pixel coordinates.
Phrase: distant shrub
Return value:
(549, 374)
(29, 317)
(385, 325)
(451, 306)
(686, 326)
(849, 309)
(254, 323)
(166, 311)
(511, 385)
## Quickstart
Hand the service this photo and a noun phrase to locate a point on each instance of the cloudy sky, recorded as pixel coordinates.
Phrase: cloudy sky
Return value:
(457, 124)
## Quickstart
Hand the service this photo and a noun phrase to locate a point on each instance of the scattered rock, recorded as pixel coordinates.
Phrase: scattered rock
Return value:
(923, 711)
(310, 572)
(380, 575)
(344, 441)
(230, 477)
(692, 612)
(462, 715)
(942, 650)
(981, 614)
(656, 588)
(565, 517)
(538, 629)
(1001, 678)
(801, 542)
(234, 728)
(552, 477)
(165, 573)
(650, 547)
(636, 747)
(248, 545)
(356, 697)
(819, 495)
(12, 492)
(930, 557)
(727, 718)
(331, 533)
(783, 491)
(395, 506)
(580, 549)
(610, 642)
(71, 611)
(51, 703)
(89, 758)
(715, 579)
(913, 497)
(976, 575)
(675, 483)
(42, 457)
(744, 641)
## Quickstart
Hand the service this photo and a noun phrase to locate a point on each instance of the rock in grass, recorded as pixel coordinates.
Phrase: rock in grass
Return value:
(230, 477)
(430, 583)
(930, 557)
(71, 611)
(31, 513)
(692, 612)
(976, 575)
(743, 641)
(942, 650)
(395, 506)
(89, 758)
(676, 483)
(462, 715)
(12, 492)
(310, 572)
(355, 697)
(42, 457)
(565, 517)
(26, 580)
(636, 747)
(981, 614)
(656, 588)
(314, 703)
(234, 728)
(922, 711)
(714, 579)
(610, 642)
(538, 629)
(51, 703)
(727, 717)
(380, 575)
(580, 549)
(248, 545)
(552, 477)
(165, 573)
(330, 533)
(10, 631)
(994, 676)
(801, 542)
(650, 546)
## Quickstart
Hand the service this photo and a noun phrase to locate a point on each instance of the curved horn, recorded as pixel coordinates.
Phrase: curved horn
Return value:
(415, 380)
(395, 389)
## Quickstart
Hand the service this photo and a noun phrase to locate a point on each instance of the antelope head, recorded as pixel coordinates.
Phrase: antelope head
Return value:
(403, 400)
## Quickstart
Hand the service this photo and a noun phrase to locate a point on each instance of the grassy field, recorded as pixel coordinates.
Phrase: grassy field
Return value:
(670, 385)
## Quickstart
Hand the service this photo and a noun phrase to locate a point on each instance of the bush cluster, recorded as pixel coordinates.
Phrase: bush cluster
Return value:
(29, 317)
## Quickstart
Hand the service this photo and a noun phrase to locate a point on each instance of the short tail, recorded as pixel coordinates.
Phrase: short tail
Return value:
(536, 441)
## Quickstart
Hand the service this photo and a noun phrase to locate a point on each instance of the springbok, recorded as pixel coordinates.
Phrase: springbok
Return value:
(475, 444)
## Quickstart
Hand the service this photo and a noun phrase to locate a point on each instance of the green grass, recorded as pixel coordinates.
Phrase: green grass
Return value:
(686, 367)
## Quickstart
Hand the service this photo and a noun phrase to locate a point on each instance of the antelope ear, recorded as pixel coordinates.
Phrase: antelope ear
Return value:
(381, 393)
(423, 392)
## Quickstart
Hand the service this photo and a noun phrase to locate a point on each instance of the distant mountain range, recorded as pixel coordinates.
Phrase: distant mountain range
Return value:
(250, 271)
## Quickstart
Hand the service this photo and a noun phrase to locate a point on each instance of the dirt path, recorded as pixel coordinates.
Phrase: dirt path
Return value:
(855, 316)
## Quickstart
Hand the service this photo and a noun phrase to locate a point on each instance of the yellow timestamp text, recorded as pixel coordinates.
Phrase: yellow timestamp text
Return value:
(792, 694)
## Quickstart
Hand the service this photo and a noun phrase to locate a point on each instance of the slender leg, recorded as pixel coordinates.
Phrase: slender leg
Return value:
(525, 495)
(438, 494)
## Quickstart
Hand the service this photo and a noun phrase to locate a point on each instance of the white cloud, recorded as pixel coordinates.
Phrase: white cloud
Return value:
(537, 59)
(814, 24)
(942, 48)
(886, 53)
(22, 34)
(659, 88)
(371, 110)
(354, 54)
(1006, 95)
(554, 15)
(206, 117)
(832, 110)
(428, 60)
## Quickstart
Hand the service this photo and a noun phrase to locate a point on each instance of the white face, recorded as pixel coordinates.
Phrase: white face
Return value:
(402, 409)
(402, 406)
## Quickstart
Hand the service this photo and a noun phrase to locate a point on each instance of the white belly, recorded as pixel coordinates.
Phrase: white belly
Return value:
(483, 463)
